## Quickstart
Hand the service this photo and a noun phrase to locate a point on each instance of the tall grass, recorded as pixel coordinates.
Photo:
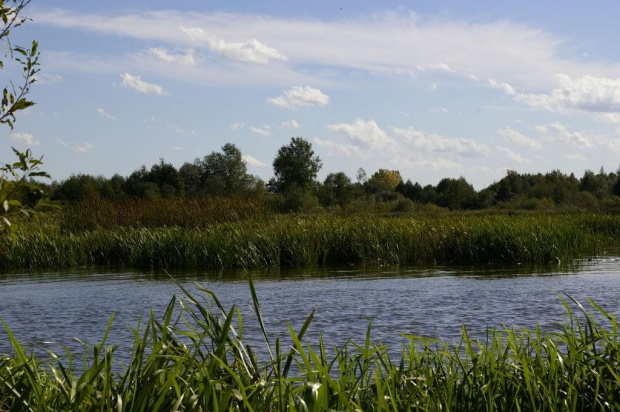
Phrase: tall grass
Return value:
(187, 213)
(303, 241)
(194, 358)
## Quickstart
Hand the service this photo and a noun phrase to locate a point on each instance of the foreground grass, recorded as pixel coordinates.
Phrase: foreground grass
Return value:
(194, 359)
(305, 241)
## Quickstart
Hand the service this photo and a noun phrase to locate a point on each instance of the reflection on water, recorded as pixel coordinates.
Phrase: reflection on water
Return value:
(51, 309)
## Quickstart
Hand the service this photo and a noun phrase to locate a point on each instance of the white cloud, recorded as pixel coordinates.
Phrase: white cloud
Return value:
(418, 140)
(557, 132)
(363, 134)
(345, 149)
(180, 130)
(441, 110)
(62, 142)
(519, 54)
(265, 131)
(613, 118)
(149, 121)
(300, 96)
(432, 87)
(575, 156)
(520, 140)
(84, 147)
(252, 161)
(597, 95)
(290, 125)
(504, 87)
(186, 59)
(511, 155)
(139, 85)
(105, 114)
(25, 138)
(236, 126)
(251, 51)
(48, 78)
(437, 163)
(177, 148)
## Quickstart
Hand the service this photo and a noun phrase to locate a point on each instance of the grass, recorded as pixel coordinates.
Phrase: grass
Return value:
(193, 358)
(321, 240)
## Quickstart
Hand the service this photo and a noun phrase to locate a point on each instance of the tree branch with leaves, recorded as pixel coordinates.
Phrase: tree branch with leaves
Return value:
(16, 178)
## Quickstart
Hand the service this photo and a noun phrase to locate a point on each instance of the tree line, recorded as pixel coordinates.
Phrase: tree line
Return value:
(295, 187)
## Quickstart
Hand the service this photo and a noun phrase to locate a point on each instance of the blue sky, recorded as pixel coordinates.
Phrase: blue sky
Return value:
(433, 89)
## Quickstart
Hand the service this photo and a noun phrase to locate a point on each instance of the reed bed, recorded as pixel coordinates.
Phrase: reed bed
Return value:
(321, 240)
(196, 213)
(193, 358)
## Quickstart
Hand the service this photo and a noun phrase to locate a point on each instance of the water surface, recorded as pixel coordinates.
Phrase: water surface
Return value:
(50, 310)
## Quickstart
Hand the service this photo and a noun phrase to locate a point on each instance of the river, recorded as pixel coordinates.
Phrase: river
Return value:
(49, 310)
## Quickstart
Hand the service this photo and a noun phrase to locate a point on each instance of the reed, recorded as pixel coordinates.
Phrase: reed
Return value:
(175, 212)
(194, 358)
(320, 240)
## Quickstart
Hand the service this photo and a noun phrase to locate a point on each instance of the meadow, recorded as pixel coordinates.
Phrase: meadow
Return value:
(193, 358)
(236, 233)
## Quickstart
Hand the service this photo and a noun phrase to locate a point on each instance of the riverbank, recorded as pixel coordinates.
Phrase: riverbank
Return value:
(322, 240)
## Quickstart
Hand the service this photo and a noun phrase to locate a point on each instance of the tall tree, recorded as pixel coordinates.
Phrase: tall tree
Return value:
(225, 172)
(295, 166)
(384, 180)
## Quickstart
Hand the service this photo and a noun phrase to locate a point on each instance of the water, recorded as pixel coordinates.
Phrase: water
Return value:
(47, 311)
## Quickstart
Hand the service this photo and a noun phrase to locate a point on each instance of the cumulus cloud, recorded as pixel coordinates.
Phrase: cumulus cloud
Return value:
(290, 125)
(416, 139)
(236, 126)
(511, 155)
(345, 149)
(105, 114)
(504, 87)
(364, 134)
(186, 59)
(517, 138)
(300, 96)
(251, 51)
(557, 132)
(597, 95)
(139, 85)
(265, 131)
(252, 161)
(25, 138)
(84, 147)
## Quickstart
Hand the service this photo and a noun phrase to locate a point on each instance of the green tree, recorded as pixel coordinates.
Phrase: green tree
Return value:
(384, 180)
(225, 172)
(167, 179)
(336, 189)
(295, 167)
(456, 193)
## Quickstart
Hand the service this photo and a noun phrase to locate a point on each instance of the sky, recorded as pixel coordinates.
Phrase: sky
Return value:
(432, 89)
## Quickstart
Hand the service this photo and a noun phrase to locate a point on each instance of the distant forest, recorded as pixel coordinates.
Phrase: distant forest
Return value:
(295, 188)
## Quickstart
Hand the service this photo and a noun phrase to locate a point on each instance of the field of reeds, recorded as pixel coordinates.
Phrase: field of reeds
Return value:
(194, 359)
(265, 241)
